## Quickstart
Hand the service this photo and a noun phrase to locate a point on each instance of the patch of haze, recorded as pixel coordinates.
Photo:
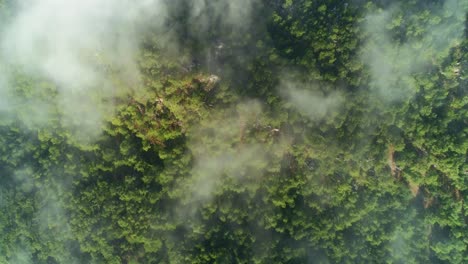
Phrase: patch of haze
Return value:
(236, 14)
(82, 47)
(49, 224)
(392, 64)
(4, 102)
(227, 159)
(409, 229)
(309, 100)
(74, 44)
(399, 245)
(22, 254)
(221, 30)
(222, 154)
(53, 223)
(88, 48)
(210, 171)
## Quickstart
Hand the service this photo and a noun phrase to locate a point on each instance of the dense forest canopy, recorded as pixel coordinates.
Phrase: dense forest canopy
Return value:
(247, 131)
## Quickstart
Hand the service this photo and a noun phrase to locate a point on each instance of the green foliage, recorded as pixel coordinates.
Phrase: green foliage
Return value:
(206, 161)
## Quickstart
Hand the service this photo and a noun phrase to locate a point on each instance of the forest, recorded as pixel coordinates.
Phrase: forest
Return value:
(246, 131)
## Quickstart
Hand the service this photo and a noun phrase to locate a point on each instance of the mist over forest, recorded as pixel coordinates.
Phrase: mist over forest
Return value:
(242, 131)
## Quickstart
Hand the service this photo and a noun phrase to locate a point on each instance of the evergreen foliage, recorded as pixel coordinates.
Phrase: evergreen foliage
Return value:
(278, 142)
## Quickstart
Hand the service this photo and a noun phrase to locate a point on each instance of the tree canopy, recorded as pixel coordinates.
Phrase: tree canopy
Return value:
(252, 131)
